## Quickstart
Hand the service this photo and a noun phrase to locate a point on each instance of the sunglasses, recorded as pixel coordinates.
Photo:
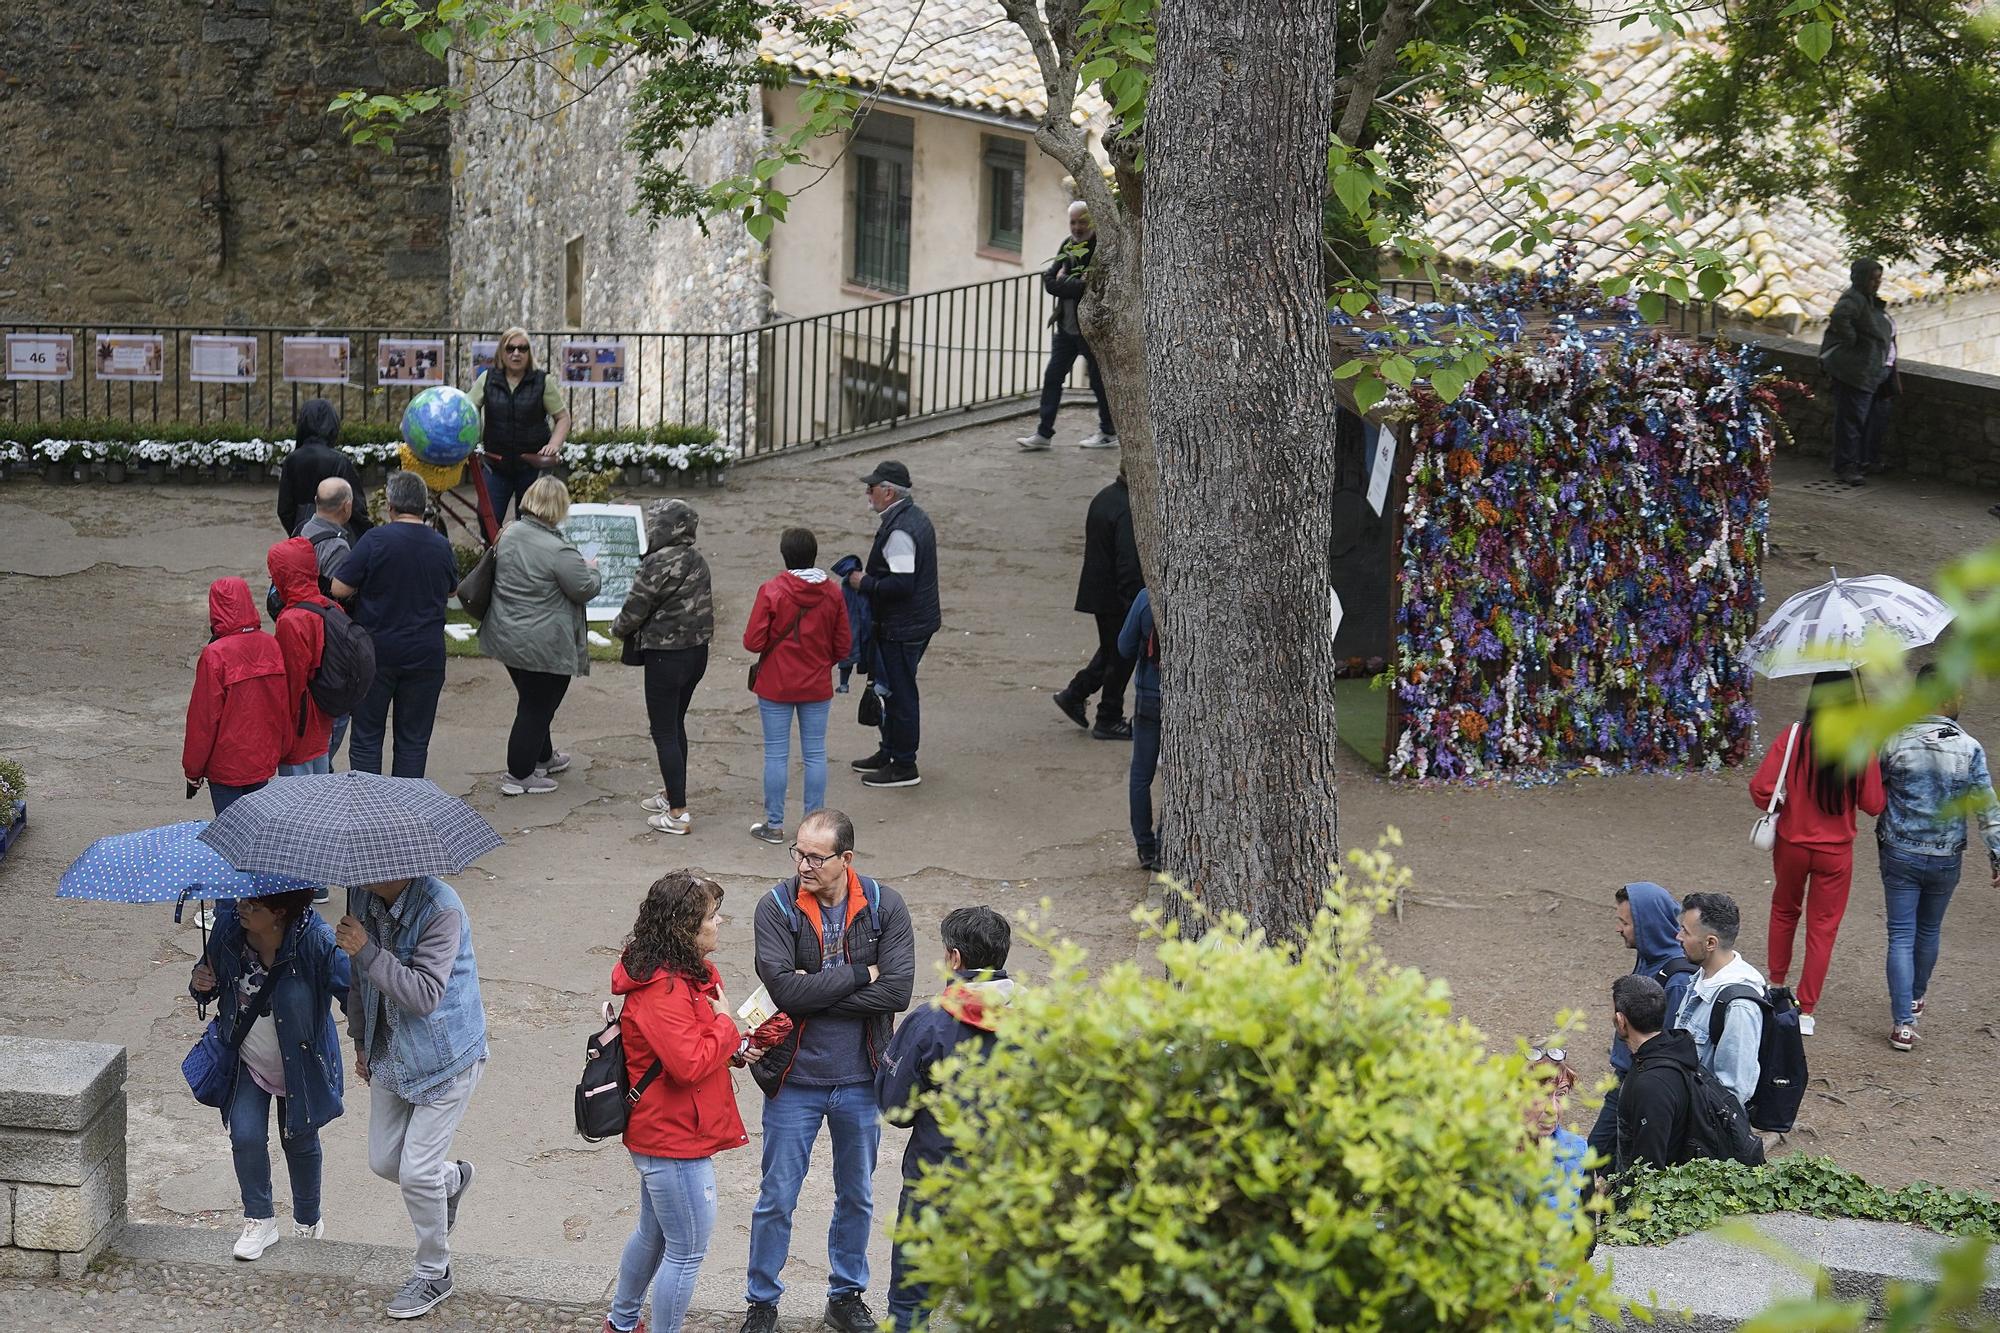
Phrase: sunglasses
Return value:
(517, 347)
(1554, 1053)
(811, 860)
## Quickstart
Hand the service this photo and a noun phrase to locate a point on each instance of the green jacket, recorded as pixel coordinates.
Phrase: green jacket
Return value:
(672, 604)
(540, 587)
(1855, 349)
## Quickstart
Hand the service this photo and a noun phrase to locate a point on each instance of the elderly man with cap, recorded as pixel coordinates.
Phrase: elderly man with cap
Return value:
(1065, 281)
(900, 582)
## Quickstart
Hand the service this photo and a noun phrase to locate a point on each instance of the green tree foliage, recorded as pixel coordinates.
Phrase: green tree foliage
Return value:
(1262, 1136)
(1887, 111)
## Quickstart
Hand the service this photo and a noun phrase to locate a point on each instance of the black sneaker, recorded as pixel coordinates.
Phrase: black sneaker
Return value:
(892, 775)
(1149, 858)
(874, 763)
(761, 1319)
(1071, 708)
(1120, 730)
(850, 1314)
(451, 1201)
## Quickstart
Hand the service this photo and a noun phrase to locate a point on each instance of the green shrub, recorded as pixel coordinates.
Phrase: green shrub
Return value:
(13, 787)
(1263, 1138)
(587, 487)
(1661, 1205)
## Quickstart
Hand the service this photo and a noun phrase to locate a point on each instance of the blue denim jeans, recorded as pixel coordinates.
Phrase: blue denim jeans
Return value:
(222, 796)
(1916, 890)
(339, 736)
(896, 679)
(1145, 763)
(676, 1218)
(250, 1145)
(323, 764)
(791, 1124)
(414, 694)
(777, 720)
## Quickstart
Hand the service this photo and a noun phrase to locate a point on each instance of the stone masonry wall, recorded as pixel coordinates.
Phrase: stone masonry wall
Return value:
(62, 1154)
(524, 185)
(1946, 424)
(174, 163)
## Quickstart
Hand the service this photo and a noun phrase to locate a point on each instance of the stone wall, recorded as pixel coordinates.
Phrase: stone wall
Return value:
(524, 185)
(1961, 331)
(62, 1154)
(175, 164)
(1946, 424)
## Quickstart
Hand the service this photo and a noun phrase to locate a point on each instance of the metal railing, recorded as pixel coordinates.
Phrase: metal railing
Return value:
(781, 385)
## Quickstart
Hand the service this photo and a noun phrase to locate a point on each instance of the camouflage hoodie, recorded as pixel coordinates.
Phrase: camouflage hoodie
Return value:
(671, 604)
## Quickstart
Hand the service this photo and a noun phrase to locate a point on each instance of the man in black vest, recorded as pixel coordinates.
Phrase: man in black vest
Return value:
(900, 583)
(523, 421)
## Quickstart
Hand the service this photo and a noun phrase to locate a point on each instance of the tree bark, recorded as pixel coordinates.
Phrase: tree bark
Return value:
(1241, 394)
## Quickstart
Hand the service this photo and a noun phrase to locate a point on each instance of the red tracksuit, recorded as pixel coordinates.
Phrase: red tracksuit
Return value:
(1813, 863)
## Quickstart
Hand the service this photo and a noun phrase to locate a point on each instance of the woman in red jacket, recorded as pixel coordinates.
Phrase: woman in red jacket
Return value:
(674, 1014)
(301, 636)
(1813, 861)
(238, 716)
(798, 628)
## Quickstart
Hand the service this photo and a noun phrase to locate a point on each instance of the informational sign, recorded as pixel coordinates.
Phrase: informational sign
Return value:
(39, 356)
(593, 365)
(317, 360)
(1382, 463)
(485, 353)
(1339, 614)
(614, 536)
(130, 356)
(222, 359)
(411, 362)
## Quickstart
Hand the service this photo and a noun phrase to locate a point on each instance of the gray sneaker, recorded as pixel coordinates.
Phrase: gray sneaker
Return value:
(771, 833)
(451, 1200)
(419, 1296)
(558, 761)
(535, 784)
(1035, 443)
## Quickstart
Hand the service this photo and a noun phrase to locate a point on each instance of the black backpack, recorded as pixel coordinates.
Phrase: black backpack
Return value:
(1781, 1054)
(346, 664)
(605, 1094)
(1717, 1124)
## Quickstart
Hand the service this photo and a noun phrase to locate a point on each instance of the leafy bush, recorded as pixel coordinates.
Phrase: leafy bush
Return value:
(1265, 1137)
(1661, 1205)
(588, 487)
(13, 787)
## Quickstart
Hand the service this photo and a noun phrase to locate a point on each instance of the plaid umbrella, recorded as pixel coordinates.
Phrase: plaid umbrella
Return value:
(351, 829)
(1821, 629)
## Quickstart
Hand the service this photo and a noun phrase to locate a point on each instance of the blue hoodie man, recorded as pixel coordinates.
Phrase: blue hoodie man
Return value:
(1649, 920)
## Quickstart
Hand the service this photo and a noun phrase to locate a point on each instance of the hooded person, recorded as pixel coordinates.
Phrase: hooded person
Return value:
(237, 717)
(301, 636)
(668, 620)
(314, 458)
(799, 629)
(1649, 920)
(966, 1014)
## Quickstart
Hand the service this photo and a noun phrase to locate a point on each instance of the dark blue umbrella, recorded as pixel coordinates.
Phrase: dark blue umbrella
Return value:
(351, 829)
(165, 865)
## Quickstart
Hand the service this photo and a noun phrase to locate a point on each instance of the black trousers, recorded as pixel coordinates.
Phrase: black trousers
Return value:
(1860, 421)
(671, 675)
(1063, 353)
(896, 663)
(1106, 671)
(538, 694)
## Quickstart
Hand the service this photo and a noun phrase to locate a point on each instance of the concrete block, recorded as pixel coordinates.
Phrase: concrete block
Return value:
(57, 1084)
(70, 1217)
(71, 1265)
(54, 1157)
(27, 1263)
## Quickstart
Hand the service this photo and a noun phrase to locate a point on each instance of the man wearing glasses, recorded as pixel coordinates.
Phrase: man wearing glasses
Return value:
(523, 421)
(837, 953)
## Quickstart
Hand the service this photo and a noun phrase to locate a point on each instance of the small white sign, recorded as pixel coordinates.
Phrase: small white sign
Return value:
(39, 356)
(1380, 466)
(218, 359)
(758, 1010)
(317, 360)
(1338, 612)
(130, 356)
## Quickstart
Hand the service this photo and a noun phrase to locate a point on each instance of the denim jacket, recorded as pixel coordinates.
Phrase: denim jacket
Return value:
(1734, 1059)
(1932, 771)
(311, 974)
(426, 1050)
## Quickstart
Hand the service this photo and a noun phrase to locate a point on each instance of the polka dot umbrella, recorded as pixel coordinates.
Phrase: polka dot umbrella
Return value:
(164, 865)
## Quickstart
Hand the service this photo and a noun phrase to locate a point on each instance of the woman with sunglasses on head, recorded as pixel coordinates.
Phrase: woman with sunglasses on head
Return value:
(680, 1041)
(523, 421)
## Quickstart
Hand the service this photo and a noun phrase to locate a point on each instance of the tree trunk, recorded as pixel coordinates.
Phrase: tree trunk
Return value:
(1240, 379)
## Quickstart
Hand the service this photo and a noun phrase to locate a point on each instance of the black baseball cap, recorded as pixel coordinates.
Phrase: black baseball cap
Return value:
(892, 472)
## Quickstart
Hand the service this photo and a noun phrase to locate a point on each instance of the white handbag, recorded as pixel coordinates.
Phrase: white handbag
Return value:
(1764, 833)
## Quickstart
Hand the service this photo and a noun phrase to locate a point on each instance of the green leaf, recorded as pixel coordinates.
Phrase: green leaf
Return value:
(1101, 68)
(1447, 383)
(769, 166)
(1652, 307)
(1400, 371)
(1355, 302)
(1347, 370)
(1369, 390)
(1713, 282)
(1354, 189)
(1815, 39)
(760, 225)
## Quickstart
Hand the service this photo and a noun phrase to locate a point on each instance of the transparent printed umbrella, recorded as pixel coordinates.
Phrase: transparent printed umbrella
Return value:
(1823, 628)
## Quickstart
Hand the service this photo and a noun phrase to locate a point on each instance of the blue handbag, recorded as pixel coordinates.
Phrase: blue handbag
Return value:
(207, 1066)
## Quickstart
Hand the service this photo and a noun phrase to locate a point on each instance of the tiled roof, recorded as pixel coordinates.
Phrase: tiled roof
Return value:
(965, 55)
(1794, 264)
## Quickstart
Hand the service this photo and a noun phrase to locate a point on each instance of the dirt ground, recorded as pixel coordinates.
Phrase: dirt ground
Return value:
(101, 615)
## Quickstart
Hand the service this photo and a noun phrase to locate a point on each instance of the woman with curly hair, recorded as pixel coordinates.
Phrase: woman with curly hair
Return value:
(680, 1041)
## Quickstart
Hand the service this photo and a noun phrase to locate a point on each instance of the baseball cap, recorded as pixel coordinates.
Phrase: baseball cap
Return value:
(892, 472)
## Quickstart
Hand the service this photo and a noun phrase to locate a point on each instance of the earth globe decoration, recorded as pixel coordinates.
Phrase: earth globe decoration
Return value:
(441, 426)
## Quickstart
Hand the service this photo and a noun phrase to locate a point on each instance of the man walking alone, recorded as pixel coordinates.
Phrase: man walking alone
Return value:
(1065, 281)
(1106, 589)
(900, 581)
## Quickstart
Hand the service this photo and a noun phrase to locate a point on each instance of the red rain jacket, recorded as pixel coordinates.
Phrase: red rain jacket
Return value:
(237, 721)
(301, 638)
(690, 1110)
(798, 663)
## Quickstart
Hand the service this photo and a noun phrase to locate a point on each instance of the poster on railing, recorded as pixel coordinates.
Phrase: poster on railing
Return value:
(614, 536)
(317, 360)
(485, 352)
(39, 356)
(222, 359)
(409, 362)
(131, 356)
(593, 365)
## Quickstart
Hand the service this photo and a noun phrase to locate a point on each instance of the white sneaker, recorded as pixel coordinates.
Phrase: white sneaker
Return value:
(1098, 440)
(259, 1235)
(656, 804)
(204, 916)
(668, 824)
(532, 785)
(1035, 443)
(313, 1232)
